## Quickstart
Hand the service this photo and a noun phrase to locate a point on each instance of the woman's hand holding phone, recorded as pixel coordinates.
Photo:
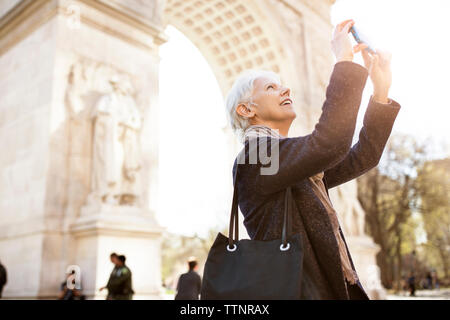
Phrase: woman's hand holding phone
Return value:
(340, 43)
(378, 64)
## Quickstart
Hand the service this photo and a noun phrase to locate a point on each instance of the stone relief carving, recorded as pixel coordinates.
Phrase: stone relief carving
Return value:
(116, 148)
(99, 96)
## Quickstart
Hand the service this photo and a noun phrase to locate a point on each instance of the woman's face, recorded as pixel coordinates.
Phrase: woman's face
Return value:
(273, 103)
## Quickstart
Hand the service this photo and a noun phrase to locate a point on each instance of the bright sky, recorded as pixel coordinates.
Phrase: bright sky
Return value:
(416, 33)
(194, 178)
(194, 170)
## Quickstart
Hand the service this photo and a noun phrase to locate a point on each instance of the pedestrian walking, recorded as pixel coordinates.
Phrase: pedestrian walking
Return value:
(412, 284)
(190, 283)
(3, 278)
(120, 281)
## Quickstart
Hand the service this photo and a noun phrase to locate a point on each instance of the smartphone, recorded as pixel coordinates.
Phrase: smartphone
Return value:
(360, 38)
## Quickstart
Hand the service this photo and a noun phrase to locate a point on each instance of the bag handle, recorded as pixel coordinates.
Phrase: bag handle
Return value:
(234, 218)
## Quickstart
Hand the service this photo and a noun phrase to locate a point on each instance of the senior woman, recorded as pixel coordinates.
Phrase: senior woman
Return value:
(260, 106)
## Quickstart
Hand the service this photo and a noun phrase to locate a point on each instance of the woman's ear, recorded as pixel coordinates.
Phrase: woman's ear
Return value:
(245, 111)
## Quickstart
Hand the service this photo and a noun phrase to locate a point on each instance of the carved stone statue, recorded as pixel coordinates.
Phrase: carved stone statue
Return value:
(105, 174)
(116, 148)
(130, 124)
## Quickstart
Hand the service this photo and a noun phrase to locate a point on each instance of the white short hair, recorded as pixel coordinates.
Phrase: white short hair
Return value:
(241, 92)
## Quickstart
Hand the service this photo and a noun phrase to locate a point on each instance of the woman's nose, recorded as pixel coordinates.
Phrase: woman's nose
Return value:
(286, 91)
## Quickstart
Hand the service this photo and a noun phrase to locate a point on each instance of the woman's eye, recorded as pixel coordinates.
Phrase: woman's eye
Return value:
(270, 87)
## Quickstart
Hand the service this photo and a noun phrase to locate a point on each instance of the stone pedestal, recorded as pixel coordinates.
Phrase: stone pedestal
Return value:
(130, 231)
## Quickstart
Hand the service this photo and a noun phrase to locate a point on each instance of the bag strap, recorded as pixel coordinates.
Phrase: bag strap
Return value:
(234, 216)
(287, 215)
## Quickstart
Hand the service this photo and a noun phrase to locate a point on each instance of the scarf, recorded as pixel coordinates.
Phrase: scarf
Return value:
(261, 131)
(320, 191)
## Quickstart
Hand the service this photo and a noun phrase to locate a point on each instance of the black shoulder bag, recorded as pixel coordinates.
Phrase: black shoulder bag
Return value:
(254, 269)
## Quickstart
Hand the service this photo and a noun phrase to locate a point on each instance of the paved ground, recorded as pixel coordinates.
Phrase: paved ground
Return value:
(442, 294)
(168, 297)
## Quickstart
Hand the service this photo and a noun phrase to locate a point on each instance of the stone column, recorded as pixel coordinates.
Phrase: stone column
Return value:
(57, 58)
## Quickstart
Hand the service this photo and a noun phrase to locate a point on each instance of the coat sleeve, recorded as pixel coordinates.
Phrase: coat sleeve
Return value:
(366, 153)
(304, 156)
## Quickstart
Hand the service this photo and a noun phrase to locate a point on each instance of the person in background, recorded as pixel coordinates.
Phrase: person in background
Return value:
(114, 260)
(412, 284)
(429, 281)
(189, 283)
(435, 280)
(3, 278)
(70, 294)
(120, 282)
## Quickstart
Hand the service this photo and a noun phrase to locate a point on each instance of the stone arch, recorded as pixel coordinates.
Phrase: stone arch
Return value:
(287, 36)
(232, 35)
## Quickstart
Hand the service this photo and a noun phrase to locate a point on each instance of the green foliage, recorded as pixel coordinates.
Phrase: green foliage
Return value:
(176, 250)
(433, 188)
(407, 182)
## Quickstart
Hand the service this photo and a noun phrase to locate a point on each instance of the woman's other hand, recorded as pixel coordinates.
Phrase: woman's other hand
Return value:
(379, 66)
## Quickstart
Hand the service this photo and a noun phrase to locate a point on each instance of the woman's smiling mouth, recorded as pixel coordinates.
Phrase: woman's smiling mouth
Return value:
(286, 102)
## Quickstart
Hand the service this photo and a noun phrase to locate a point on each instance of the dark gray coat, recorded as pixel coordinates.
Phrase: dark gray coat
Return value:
(189, 286)
(328, 148)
